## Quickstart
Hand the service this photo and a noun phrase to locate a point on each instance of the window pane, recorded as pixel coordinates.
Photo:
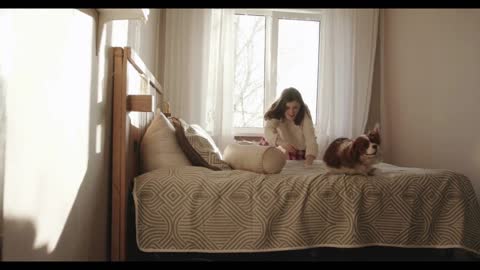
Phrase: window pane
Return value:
(298, 59)
(249, 71)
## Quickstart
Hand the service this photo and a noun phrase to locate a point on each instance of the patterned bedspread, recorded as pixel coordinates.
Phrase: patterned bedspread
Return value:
(193, 209)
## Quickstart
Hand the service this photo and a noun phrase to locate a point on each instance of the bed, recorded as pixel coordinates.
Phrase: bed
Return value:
(194, 210)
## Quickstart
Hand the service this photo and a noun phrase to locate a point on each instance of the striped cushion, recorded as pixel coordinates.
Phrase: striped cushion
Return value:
(203, 143)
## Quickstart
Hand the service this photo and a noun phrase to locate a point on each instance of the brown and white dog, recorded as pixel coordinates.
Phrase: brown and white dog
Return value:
(346, 156)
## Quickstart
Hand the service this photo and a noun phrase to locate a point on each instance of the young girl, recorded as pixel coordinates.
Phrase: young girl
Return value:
(289, 126)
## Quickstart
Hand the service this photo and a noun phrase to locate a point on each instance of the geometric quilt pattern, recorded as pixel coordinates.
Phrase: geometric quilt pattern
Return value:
(194, 209)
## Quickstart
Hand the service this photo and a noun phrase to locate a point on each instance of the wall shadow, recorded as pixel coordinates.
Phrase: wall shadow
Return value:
(86, 233)
(3, 138)
(25, 233)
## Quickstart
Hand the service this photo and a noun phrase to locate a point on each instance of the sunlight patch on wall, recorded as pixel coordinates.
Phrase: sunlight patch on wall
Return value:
(98, 139)
(102, 80)
(137, 39)
(48, 108)
(6, 59)
(119, 33)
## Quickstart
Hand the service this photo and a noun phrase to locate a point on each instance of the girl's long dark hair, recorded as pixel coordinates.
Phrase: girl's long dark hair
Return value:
(278, 108)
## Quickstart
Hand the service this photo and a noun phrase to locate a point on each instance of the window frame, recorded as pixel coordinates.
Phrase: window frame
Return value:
(272, 17)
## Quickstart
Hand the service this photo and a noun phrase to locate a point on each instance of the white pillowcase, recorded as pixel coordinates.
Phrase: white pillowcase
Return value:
(255, 158)
(159, 147)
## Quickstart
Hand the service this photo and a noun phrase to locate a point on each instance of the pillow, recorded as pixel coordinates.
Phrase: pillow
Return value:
(159, 147)
(193, 156)
(255, 158)
(204, 145)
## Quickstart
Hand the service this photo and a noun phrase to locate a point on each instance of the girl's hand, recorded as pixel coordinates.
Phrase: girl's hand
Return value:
(289, 148)
(309, 160)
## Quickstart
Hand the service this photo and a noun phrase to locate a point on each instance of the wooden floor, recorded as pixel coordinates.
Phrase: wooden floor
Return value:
(323, 254)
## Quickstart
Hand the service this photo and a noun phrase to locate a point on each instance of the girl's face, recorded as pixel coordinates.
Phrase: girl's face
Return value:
(291, 110)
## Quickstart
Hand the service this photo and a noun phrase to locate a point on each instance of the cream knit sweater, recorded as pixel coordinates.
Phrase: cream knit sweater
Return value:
(302, 137)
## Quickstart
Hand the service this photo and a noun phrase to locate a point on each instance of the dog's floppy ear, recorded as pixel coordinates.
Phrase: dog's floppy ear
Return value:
(359, 146)
(374, 134)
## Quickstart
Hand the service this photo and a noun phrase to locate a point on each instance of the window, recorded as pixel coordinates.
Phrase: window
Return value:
(273, 50)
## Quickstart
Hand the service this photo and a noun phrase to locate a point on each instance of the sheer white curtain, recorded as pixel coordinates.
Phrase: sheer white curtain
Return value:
(348, 43)
(199, 71)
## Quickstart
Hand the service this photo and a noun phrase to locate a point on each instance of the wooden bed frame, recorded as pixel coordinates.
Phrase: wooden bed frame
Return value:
(136, 94)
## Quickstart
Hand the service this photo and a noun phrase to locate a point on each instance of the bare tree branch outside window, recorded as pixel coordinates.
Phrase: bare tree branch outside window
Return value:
(249, 71)
(296, 65)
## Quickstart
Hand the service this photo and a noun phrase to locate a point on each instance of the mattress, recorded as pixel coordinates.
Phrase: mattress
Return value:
(194, 209)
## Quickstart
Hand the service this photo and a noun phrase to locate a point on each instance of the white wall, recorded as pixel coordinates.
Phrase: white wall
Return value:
(432, 89)
(58, 121)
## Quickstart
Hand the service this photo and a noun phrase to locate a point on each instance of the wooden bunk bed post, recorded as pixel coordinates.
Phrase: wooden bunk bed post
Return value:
(118, 249)
(128, 104)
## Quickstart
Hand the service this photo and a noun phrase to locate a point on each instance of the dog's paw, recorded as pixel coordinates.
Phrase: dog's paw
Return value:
(372, 172)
